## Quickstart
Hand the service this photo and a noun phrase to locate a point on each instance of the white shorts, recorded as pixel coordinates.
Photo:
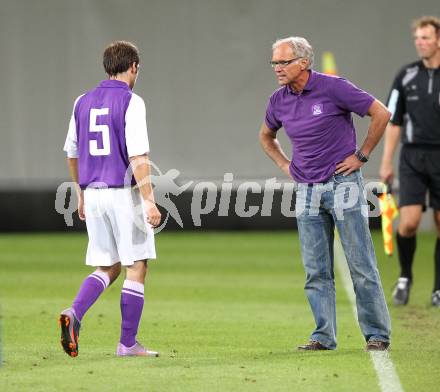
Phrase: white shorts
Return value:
(117, 227)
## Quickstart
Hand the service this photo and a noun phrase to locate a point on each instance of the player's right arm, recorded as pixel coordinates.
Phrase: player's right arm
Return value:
(397, 107)
(71, 148)
(72, 163)
(392, 138)
(272, 147)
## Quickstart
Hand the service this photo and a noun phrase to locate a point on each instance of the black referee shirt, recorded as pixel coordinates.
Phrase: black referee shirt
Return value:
(414, 102)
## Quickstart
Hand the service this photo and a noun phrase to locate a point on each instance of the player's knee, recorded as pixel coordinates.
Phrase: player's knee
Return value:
(437, 220)
(437, 226)
(112, 272)
(408, 228)
(137, 271)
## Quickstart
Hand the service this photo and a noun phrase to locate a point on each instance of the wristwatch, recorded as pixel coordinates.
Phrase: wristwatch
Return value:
(361, 156)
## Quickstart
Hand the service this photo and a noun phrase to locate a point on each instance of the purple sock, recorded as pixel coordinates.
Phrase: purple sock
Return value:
(132, 303)
(88, 293)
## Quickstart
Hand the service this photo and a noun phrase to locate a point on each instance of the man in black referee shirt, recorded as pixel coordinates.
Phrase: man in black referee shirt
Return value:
(414, 102)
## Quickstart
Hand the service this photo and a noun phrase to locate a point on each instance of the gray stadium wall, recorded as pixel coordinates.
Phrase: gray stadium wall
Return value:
(205, 78)
(33, 211)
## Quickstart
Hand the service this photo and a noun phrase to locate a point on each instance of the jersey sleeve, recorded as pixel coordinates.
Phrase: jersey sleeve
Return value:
(136, 135)
(350, 97)
(396, 101)
(271, 119)
(71, 143)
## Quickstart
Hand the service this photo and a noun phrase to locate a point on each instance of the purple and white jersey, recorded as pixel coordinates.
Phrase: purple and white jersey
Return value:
(108, 125)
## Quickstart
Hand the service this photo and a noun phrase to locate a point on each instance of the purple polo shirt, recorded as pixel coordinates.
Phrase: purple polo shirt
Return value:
(318, 123)
(100, 125)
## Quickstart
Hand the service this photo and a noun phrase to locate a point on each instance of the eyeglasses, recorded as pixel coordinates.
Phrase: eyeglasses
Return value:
(283, 63)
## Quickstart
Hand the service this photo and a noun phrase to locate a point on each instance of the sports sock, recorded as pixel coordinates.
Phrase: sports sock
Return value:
(132, 303)
(88, 293)
(406, 247)
(437, 265)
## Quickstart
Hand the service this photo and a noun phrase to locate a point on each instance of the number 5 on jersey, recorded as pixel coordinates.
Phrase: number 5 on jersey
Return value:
(103, 129)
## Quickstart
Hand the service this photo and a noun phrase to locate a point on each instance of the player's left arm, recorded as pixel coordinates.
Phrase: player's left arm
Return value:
(380, 116)
(71, 148)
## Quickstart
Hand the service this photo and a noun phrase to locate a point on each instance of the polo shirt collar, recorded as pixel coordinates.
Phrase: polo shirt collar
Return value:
(309, 85)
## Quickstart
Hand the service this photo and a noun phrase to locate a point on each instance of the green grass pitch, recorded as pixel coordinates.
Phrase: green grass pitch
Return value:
(226, 311)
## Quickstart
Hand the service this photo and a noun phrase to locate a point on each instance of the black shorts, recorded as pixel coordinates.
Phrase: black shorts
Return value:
(419, 172)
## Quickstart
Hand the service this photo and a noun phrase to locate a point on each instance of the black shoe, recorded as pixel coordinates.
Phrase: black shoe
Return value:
(313, 345)
(70, 326)
(435, 299)
(377, 345)
(401, 291)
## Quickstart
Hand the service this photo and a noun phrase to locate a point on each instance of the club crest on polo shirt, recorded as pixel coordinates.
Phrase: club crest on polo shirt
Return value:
(317, 109)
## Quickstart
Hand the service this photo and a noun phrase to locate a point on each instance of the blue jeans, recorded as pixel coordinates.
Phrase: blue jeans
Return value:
(319, 207)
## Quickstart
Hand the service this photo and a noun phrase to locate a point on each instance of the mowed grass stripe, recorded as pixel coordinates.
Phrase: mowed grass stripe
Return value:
(226, 310)
(386, 373)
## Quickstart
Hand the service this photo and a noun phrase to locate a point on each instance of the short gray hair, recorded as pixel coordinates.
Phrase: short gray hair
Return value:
(300, 47)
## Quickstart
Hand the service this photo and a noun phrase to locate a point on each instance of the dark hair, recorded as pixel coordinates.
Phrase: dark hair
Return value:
(427, 21)
(119, 56)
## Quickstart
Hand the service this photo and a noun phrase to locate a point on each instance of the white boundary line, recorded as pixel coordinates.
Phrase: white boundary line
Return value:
(386, 373)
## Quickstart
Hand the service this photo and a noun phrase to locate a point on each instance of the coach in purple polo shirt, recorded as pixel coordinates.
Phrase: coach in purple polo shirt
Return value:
(315, 111)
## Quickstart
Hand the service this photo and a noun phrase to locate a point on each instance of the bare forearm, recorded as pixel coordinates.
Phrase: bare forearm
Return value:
(141, 170)
(379, 120)
(386, 170)
(272, 147)
(72, 163)
(392, 138)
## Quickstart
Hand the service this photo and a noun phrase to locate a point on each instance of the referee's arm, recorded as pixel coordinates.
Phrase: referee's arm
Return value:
(392, 137)
(396, 105)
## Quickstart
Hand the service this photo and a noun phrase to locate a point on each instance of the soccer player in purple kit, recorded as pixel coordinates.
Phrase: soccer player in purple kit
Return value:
(315, 111)
(107, 141)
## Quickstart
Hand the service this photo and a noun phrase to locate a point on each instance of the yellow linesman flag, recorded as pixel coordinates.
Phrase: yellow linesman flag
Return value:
(329, 63)
(389, 212)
